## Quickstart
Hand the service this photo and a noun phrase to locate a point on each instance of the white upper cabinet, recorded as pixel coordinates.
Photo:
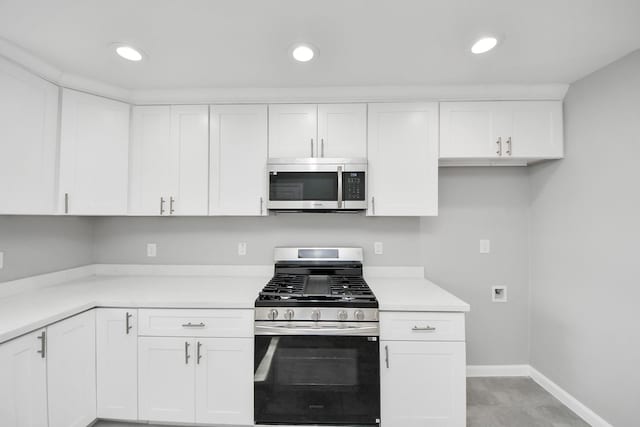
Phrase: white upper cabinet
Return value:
(71, 371)
(342, 130)
(324, 130)
(94, 155)
(23, 381)
(169, 160)
(515, 132)
(403, 159)
(28, 142)
(238, 160)
(293, 130)
(117, 363)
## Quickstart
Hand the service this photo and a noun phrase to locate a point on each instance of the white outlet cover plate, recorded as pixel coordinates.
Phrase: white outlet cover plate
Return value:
(378, 248)
(485, 246)
(242, 248)
(502, 297)
(152, 249)
(1, 260)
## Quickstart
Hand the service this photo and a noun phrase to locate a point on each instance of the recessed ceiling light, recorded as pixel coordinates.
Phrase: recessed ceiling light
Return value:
(303, 53)
(127, 52)
(483, 45)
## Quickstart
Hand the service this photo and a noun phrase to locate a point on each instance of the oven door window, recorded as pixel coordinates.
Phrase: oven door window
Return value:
(317, 380)
(295, 186)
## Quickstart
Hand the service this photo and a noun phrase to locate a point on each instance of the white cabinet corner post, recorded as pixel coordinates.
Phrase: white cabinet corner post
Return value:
(403, 159)
(238, 160)
(94, 155)
(23, 381)
(71, 371)
(117, 363)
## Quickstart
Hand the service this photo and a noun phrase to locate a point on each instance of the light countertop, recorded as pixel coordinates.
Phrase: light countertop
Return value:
(28, 311)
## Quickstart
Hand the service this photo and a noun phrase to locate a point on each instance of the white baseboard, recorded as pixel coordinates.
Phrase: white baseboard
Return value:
(554, 389)
(498, 370)
(568, 400)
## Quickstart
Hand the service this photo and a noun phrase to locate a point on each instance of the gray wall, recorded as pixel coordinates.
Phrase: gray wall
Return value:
(484, 203)
(42, 244)
(585, 264)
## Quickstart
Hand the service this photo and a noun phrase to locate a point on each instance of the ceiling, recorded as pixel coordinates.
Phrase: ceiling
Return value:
(246, 43)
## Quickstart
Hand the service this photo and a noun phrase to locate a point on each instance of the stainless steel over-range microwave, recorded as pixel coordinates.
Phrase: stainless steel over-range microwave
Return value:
(317, 184)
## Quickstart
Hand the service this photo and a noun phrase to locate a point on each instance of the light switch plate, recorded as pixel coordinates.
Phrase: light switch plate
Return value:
(485, 246)
(378, 248)
(1, 260)
(152, 249)
(242, 248)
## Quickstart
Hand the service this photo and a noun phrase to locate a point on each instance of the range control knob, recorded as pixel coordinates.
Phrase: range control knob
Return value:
(315, 315)
(288, 314)
(273, 314)
(359, 315)
(342, 315)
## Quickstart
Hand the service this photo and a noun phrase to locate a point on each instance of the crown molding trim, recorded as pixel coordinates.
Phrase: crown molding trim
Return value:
(487, 92)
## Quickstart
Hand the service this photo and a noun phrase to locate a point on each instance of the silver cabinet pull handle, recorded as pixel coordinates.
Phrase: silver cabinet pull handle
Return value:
(424, 328)
(509, 146)
(66, 203)
(322, 147)
(261, 205)
(186, 353)
(386, 358)
(198, 354)
(373, 205)
(193, 325)
(499, 143)
(128, 323)
(311, 147)
(161, 205)
(43, 344)
(171, 202)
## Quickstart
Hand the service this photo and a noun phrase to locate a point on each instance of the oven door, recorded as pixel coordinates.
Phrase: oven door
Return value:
(317, 380)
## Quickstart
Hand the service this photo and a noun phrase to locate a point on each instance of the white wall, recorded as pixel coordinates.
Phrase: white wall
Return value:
(585, 258)
(42, 244)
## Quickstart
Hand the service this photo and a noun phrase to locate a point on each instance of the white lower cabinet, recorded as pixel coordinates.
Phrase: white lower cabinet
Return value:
(117, 363)
(166, 379)
(23, 382)
(224, 381)
(71, 371)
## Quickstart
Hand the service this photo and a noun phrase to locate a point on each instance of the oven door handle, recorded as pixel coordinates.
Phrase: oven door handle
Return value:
(269, 328)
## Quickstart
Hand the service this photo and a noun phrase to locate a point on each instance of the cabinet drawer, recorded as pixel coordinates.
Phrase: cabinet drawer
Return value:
(421, 326)
(195, 323)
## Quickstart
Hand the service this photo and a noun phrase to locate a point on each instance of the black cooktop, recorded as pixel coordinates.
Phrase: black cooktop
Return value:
(320, 284)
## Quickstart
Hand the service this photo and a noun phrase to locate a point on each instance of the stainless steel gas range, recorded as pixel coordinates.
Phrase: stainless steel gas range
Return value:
(317, 357)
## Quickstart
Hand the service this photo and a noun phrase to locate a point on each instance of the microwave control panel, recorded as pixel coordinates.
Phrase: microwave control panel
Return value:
(353, 186)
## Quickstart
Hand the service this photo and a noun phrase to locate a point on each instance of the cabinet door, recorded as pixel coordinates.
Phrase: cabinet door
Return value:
(151, 156)
(535, 129)
(94, 155)
(28, 142)
(224, 381)
(117, 363)
(293, 130)
(342, 130)
(470, 130)
(23, 382)
(403, 159)
(190, 160)
(71, 371)
(166, 379)
(423, 384)
(238, 164)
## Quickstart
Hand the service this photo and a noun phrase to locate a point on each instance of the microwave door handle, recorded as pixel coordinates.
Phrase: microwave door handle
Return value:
(340, 187)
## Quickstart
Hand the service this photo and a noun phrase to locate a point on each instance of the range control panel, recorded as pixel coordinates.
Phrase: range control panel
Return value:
(353, 186)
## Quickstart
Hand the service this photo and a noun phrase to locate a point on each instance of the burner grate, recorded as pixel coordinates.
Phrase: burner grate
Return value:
(285, 286)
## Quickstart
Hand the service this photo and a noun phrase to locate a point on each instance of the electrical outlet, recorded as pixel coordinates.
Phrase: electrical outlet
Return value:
(499, 294)
(378, 248)
(485, 246)
(242, 248)
(152, 249)
(1, 260)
